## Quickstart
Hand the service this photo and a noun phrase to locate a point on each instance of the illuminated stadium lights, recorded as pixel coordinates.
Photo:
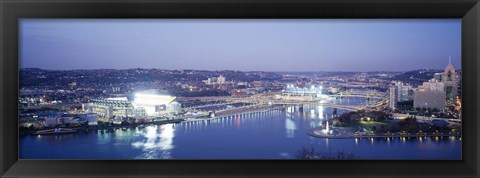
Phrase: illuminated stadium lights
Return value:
(311, 92)
(149, 103)
(153, 104)
(153, 99)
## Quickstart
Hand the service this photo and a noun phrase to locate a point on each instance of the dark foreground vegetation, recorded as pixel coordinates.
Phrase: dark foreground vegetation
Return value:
(310, 153)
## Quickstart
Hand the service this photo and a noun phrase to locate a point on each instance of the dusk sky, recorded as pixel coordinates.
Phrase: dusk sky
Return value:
(247, 45)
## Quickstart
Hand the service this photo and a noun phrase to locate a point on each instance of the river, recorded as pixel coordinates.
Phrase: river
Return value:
(276, 134)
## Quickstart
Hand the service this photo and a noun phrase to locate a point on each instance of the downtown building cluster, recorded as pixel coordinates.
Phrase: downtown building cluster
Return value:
(432, 94)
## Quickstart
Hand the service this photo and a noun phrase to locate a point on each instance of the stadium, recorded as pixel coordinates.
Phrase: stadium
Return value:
(141, 104)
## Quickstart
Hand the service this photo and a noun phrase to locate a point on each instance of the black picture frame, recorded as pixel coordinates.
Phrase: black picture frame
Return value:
(12, 10)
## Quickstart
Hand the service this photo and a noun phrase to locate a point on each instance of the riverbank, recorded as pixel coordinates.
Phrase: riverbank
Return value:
(102, 127)
(348, 135)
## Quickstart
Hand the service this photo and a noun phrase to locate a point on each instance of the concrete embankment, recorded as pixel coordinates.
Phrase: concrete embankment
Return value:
(317, 133)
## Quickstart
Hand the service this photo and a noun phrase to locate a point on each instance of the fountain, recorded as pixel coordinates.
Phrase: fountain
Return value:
(327, 130)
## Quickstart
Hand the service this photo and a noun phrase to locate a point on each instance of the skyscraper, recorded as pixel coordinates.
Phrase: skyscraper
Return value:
(399, 92)
(450, 79)
(392, 102)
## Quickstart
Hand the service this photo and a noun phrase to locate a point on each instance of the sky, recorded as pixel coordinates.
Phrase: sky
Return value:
(301, 45)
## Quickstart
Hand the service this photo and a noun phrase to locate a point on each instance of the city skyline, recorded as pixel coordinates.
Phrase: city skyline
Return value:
(457, 69)
(251, 89)
(372, 45)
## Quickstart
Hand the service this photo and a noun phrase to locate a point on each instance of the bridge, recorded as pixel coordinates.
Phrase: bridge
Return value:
(353, 95)
(207, 98)
(272, 99)
(209, 105)
(356, 93)
(266, 101)
(329, 105)
(272, 96)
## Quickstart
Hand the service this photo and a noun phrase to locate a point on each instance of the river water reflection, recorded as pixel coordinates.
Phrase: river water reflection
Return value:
(276, 134)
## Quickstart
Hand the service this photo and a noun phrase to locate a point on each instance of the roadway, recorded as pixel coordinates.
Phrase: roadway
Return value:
(425, 118)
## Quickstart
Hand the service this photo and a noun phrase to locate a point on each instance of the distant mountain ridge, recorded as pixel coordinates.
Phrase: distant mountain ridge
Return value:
(416, 77)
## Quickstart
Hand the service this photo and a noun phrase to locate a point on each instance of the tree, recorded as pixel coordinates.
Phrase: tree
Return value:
(306, 153)
(382, 128)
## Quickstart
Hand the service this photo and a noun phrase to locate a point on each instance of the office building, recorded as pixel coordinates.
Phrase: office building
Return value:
(399, 92)
(430, 95)
(392, 101)
(450, 79)
(215, 80)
